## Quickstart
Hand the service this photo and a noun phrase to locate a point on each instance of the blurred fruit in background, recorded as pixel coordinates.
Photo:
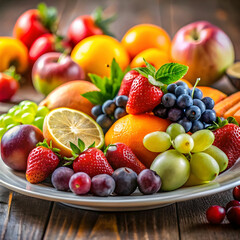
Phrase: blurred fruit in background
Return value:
(154, 56)
(144, 36)
(34, 23)
(205, 48)
(94, 54)
(69, 95)
(131, 130)
(13, 53)
(88, 25)
(48, 43)
(53, 69)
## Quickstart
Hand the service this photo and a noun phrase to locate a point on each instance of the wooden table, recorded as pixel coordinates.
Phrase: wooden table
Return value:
(23, 217)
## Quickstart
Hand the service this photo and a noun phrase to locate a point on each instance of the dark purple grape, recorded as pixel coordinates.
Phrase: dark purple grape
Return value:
(182, 84)
(148, 181)
(200, 104)
(193, 113)
(209, 103)
(120, 112)
(209, 116)
(197, 93)
(104, 121)
(109, 107)
(97, 110)
(60, 178)
(171, 88)
(196, 126)
(180, 90)
(184, 101)
(80, 183)
(174, 114)
(187, 124)
(121, 101)
(168, 100)
(160, 111)
(103, 185)
(126, 181)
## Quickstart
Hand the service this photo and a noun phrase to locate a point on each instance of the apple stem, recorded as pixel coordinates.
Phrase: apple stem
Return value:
(63, 55)
(195, 85)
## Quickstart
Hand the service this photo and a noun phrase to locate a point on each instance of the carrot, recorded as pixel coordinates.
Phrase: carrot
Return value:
(230, 112)
(226, 104)
(237, 116)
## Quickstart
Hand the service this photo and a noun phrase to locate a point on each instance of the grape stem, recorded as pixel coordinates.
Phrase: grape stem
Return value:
(195, 85)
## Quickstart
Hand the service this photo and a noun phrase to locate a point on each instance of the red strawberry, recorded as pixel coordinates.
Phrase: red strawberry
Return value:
(41, 162)
(127, 82)
(143, 96)
(93, 162)
(120, 155)
(227, 138)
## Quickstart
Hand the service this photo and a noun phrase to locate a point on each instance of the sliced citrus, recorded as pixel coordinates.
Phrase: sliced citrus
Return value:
(65, 125)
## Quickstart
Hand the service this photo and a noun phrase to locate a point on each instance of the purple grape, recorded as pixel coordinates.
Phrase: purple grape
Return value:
(60, 178)
(174, 114)
(126, 181)
(80, 183)
(160, 111)
(148, 182)
(103, 185)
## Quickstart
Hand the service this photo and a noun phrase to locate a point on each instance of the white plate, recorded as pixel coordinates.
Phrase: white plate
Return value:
(16, 181)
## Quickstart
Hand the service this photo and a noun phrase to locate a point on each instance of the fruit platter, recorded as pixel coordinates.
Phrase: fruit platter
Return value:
(122, 125)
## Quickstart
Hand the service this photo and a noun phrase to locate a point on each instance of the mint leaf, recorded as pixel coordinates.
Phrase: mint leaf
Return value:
(81, 145)
(153, 81)
(170, 72)
(75, 149)
(92, 145)
(94, 97)
(232, 120)
(97, 81)
(144, 71)
(150, 66)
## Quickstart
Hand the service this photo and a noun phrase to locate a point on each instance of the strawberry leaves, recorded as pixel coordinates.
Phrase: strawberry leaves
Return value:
(221, 123)
(49, 146)
(108, 86)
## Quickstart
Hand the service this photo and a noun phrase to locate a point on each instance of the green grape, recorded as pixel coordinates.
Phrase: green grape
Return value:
(174, 130)
(220, 157)
(17, 115)
(29, 104)
(28, 109)
(12, 125)
(203, 139)
(157, 141)
(1, 119)
(183, 143)
(7, 120)
(42, 111)
(13, 110)
(27, 118)
(38, 122)
(203, 166)
(2, 131)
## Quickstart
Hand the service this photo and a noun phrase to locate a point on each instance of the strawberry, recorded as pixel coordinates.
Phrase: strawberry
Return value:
(120, 155)
(127, 82)
(41, 162)
(227, 138)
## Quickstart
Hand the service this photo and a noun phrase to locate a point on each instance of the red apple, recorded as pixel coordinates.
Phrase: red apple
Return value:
(53, 69)
(205, 48)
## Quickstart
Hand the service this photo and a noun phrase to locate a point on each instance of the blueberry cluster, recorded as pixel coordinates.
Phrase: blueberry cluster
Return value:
(186, 107)
(110, 111)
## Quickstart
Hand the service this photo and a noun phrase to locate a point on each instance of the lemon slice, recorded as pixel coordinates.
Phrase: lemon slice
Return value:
(65, 125)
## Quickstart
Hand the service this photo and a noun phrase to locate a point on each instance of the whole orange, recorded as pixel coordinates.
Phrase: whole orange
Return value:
(153, 56)
(95, 54)
(131, 130)
(69, 95)
(144, 36)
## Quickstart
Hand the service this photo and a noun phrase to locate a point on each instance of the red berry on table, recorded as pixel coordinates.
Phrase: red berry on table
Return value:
(236, 193)
(232, 203)
(215, 214)
(120, 155)
(80, 183)
(233, 215)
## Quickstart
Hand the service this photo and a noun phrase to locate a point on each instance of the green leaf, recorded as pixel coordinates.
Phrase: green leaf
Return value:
(232, 120)
(97, 81)
(81, 145)
(170, 72)
(95, 97)
(12, 73)
(144, 71)
(150, 67)
(153, 81)
(92, 145)
(75, 149)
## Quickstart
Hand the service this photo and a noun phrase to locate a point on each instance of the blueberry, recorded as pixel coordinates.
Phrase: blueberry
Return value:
(97, 110)
(209, 116)
(209, 103)
(171, 88)
(119, 112)
(126, 181)
(186, 124)
(193, 113)
(174, 114)
(160, 111)
(180, 90)
(109, 107)
(200, 104)
(182, 84)
(184, 101)
(168, 100)
(197, 93)
(190, 92)
(121, 101)
(102, 185)
(206, 125)
(104, 121)
(196, 126)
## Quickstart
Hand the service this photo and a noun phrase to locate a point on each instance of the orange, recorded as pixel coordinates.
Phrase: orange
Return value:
(154, 56)
(131, 130)
(144, 36)
(94, 54)
(69, 95)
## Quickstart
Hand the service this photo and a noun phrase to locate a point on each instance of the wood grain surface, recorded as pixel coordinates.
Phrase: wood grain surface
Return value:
(23, 217)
